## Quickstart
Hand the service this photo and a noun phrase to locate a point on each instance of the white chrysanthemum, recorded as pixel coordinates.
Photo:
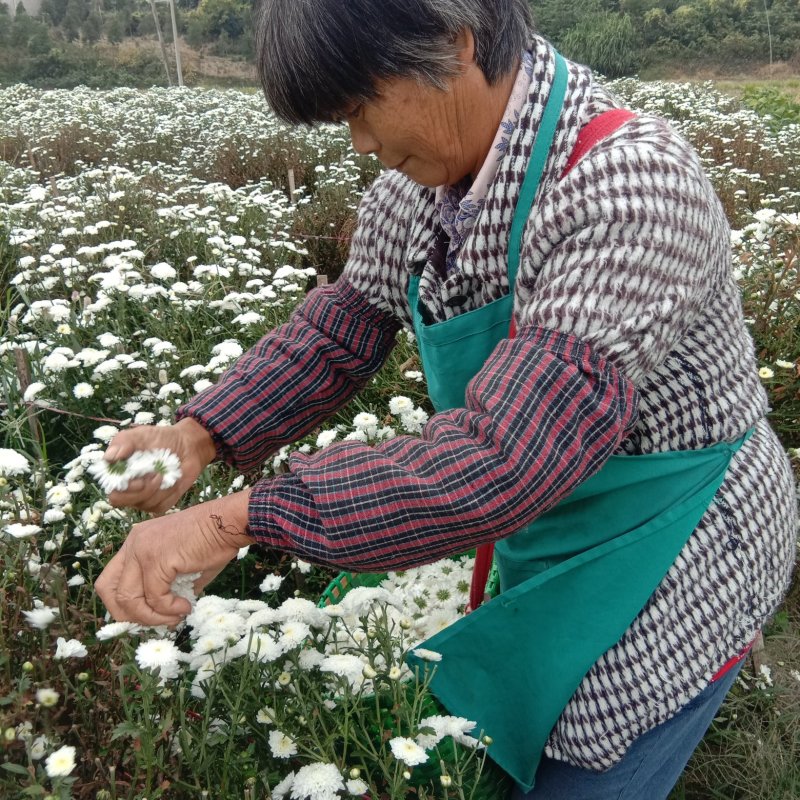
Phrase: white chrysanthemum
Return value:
(271, 583)
(47, 697)
(437, 620)
(281, 789)
(427, 655)
(209, 643)
(765, 373)
(344, 665)
(161, 654)
(169, 389)
(303, 610)
(91, 356)
(33, 389)
(228, 623)
(258, 647)
(400, 405)
(317, 782)
(407, 751)
(441, 726)
(356, 787)
(326, 437)
(303, 567)
(163, 271)
(183, 586)
(82, 390)
(58, 495)
(366, 422)
(162, 462)
(108, 339)
(207, 607)
(39, 747)
(265, 715)
(60, 762)
(69, 649)
(105, 433)
(263, 618)
(56, 362)
(13, 463)
(413, 421)
(53, 515)
(228, 349)
(21, 531)
(360, 599)
(293, 634)
(76, 580)
(41, 617)
(144, 418)
(114, 629)
(281, 745)
(310, 658)
(111, 475)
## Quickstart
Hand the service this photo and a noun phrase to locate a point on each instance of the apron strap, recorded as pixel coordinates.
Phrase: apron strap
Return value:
(593, 132)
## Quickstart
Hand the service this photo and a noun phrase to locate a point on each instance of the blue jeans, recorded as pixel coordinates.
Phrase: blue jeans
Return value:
(652, 765)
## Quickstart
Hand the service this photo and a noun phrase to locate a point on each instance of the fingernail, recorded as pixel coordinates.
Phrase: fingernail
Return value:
(111, 453)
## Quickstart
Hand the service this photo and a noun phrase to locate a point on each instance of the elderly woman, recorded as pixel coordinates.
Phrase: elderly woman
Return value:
(565, 266)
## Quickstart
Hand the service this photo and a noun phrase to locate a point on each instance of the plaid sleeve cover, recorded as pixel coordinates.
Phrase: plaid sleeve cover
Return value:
(296, 376)
(542, 415)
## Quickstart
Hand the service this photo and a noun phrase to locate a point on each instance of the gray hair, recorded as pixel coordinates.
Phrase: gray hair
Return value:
(318, 58)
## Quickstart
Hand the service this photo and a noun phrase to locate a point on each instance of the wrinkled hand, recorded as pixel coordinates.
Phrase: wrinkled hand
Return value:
(189, 440)
(135, 585)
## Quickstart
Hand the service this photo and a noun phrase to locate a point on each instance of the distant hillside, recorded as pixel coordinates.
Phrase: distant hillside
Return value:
(65, 42)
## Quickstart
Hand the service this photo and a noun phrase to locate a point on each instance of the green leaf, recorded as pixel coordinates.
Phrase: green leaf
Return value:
(17, 769)
(126, 729)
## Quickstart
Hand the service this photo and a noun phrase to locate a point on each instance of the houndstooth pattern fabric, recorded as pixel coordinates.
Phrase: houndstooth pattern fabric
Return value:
(630, 252)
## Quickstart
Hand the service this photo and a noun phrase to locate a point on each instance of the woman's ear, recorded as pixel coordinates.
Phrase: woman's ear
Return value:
(464, 43)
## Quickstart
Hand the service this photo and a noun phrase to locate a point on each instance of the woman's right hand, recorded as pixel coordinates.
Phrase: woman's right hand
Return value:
(188, 439)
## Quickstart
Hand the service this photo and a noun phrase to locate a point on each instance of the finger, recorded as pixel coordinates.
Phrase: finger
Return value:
(123, 445)
(158, 594)
(132, 603)
(139, 437)
(142, 492)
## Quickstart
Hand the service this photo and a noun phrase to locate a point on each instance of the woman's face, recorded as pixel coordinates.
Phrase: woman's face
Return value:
(431, 135)
(415, 129)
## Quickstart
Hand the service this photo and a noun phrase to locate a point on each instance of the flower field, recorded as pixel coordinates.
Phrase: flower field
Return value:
(147, 239)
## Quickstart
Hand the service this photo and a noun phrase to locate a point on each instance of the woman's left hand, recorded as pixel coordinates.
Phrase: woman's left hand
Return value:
(136, 583)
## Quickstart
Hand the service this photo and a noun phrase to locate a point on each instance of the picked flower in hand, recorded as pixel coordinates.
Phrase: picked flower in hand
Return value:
(115, 475)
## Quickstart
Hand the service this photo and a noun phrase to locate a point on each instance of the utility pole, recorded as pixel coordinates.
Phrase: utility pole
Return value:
(161, 42)
(175, 43)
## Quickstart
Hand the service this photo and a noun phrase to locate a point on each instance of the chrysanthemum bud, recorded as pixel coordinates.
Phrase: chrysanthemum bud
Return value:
(355, 773)
(284, 679)
(446, 780)
(83, 677)
(487, 740)
(407, 774)
(27, 666)
(9, 734)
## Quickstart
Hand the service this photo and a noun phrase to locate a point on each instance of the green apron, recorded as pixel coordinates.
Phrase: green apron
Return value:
(574, 579)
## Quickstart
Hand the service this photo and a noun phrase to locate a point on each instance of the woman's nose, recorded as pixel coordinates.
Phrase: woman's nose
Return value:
(363, 141)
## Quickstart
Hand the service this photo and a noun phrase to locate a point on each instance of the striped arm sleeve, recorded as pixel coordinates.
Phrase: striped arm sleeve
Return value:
(542, 415)
(295, 376)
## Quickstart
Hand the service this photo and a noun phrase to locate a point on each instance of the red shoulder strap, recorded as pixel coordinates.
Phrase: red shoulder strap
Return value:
(595, 131)
(590, 134)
